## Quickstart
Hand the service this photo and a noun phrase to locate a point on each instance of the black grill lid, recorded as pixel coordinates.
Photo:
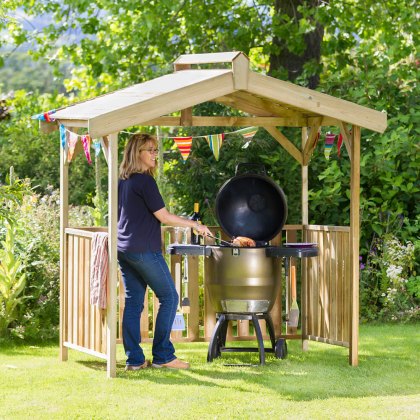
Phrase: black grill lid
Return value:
(251, 205)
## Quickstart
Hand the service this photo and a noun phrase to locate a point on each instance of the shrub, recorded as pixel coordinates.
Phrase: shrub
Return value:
(390, 286)
(37, 245)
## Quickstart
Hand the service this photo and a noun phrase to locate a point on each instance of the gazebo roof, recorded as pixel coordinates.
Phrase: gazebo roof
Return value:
(268, 101)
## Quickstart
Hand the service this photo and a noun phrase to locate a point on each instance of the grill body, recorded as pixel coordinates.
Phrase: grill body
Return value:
(242, 280)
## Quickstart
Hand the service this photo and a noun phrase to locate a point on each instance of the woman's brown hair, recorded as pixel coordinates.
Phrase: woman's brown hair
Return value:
(131, 163)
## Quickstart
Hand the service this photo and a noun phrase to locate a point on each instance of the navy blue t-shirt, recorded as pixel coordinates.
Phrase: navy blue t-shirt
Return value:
(138, 228)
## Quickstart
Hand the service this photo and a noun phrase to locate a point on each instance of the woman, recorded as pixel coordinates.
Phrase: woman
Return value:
(141, 210)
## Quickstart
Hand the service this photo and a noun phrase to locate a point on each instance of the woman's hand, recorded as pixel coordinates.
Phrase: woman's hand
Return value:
(202, 230)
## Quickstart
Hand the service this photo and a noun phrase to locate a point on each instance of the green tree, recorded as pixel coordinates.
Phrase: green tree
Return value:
(363, 52)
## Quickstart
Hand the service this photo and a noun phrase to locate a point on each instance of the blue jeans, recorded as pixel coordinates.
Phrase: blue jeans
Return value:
(140, 270)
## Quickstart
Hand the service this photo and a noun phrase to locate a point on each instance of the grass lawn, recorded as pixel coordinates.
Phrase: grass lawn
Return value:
(314, 384)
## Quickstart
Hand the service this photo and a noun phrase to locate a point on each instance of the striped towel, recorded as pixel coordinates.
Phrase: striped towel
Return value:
(99, 269)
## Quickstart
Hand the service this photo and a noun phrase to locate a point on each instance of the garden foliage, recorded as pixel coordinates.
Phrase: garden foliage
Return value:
(367, 56)
(29, 263)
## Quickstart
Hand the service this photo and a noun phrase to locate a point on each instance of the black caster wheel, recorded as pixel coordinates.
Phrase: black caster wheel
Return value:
(280, 349)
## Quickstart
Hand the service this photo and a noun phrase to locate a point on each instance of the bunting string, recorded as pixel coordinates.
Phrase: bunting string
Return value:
(69, 140)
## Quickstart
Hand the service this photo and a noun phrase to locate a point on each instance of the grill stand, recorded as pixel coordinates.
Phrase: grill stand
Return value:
(217, 343)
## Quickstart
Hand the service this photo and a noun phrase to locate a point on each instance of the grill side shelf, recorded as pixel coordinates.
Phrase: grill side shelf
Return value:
(188, 249)
(278, 251)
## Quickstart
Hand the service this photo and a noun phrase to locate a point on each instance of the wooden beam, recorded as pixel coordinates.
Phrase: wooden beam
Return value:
(286, 143)
(240, 69)
(186, 117)
(310, 144)
(47, 127)
(304, 175)
(223, 57)
(105, 148)
(259, 106)
(313, 101)
(198, 121)
(354, 243)
(111, 309)
(305, 221)
(73, 123)
(64, 222)
(346, 137)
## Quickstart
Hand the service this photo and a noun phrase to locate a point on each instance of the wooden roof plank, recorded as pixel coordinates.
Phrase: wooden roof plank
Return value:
(162, 104)
(133, 95)
(222, 57)
(320, 103)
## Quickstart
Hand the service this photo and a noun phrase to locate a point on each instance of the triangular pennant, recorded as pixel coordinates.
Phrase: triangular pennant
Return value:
(97, 147)
(339, 144)
(73, 137)
(248, 133)
(329, 141)
(63, 136)
(86, 147)
(184, 145)
(215, 142)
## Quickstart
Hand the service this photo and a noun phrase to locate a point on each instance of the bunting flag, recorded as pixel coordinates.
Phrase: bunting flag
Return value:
(97, 147)
(45, 116)
(63, 137)
(73, 137)
(248, 133)
(184, 145)
(329, 141)
(215, 142)
(339, 144)
(86, 147)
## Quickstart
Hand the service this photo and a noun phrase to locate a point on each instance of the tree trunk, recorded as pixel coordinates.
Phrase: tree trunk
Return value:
(281, 58)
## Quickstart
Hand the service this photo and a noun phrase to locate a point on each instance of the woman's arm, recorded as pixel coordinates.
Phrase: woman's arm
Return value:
(170, 219)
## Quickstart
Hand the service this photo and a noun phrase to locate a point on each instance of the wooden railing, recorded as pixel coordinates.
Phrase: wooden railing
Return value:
(325, 311)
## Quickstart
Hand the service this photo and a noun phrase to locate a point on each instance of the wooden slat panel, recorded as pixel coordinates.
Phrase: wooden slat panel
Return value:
(193, 295)
(276, 311)
(70, 281)
(333, 287)
(209, 313)
(81, 292)
(121, 302)
(98, 332)
(75, 290)
(86, 305)
(144, 317)
(328, 315)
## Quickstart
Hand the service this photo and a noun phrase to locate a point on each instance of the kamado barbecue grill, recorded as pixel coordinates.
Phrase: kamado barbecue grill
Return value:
(244, 281)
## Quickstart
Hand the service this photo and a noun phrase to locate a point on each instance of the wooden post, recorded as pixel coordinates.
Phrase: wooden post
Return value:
(305, 221)
(111, 311)
(354, 241)
(64, 221)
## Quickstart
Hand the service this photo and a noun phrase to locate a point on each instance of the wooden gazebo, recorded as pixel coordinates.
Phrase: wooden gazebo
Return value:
(330, 282)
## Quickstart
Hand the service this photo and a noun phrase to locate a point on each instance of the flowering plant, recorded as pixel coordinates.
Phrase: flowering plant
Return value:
(390, 288)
